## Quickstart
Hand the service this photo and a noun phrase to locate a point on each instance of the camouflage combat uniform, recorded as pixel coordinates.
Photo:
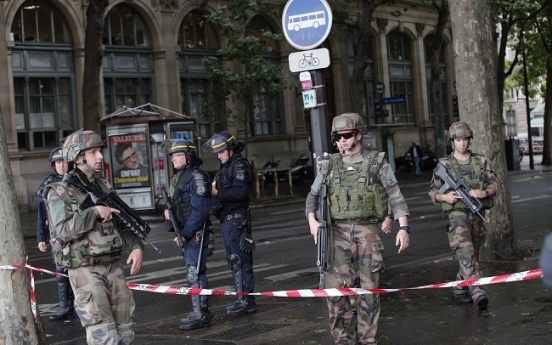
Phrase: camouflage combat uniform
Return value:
(466, 230)
(90, 250)
(356, 249)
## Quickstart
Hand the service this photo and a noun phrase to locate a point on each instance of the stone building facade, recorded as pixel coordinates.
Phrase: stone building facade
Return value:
(153, 52)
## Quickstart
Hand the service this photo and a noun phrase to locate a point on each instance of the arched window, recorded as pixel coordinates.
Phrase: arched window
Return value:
(197, 40)
(428, 41)
(38, 22)
(128, 59)
(400, 77)
(267, 109)
(124, 27)
(43, 76)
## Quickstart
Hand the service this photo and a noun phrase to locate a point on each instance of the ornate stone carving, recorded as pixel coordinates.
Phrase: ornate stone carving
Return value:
(420, 28)
(166, 5)
(382, 24)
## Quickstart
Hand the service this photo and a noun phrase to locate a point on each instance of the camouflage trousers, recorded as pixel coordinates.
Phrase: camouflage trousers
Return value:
(466, 234)
(355, 261)
(103, 303)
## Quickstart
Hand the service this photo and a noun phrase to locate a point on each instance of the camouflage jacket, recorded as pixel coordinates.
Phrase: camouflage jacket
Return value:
(487, 176)
(78, 236)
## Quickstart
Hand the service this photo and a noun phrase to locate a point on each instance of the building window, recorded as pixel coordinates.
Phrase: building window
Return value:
(124, 27)
(197, 40)
(267, 107)
(38, 22)
(266, 112)
(43, 111)
(400, 77)
(196, 33)
(127, 92)
(369, 106)
(443, 77)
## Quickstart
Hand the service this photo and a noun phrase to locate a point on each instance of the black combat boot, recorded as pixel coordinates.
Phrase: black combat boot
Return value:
(464, 298)
(243, 305)
(200, 316)
(66, 309)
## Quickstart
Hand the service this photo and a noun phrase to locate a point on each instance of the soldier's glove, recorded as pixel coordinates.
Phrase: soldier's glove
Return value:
(247, 243)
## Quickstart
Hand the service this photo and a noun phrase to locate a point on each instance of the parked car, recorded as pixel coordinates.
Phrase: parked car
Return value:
(537, 145)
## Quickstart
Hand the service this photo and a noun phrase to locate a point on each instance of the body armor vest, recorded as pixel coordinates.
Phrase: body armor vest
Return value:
(472, 174)
(240, 169)
(354, 191)
(101, 245)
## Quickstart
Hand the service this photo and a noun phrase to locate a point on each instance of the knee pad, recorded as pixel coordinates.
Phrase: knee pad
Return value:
(126, 333)
(192, 276)
(234, 262)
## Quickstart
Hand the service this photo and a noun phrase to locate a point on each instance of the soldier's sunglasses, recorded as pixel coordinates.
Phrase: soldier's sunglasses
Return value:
(346, 135)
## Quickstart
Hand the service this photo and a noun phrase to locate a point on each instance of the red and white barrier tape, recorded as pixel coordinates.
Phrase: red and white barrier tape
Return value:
(178, 290)
(33, 294)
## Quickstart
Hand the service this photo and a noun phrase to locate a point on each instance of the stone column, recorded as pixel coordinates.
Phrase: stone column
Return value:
(419, 79)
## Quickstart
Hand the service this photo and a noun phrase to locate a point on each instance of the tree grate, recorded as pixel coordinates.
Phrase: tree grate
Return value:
(246, 331)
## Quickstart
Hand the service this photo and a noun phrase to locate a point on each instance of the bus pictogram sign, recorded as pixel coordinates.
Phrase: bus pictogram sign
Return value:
(306, 23)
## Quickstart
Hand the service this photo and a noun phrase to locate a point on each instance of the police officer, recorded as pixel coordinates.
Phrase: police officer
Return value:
(66, 297)
(361, 186)
(466, 231)
(87, 242)
(191, 203)
(230, 192)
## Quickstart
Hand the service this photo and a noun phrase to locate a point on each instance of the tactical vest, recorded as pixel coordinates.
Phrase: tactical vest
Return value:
(472, 174)
(354, 191)
(101, 245)
(237, 166)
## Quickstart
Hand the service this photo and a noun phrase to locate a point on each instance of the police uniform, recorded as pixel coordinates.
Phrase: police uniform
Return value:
(90, 250)
(231, 206)
(66, 309)
(191, 203)
(466, 230)
(360, 188)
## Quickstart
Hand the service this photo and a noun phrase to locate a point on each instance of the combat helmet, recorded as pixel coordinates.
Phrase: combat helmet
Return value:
(348, 121)
(222, 141)
(56, 155)
(178, 145)
(77, 142)
(460, 129)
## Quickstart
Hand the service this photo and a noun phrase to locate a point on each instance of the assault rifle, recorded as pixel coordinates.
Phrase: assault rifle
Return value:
(323, 232)
(173, 220)
(460, 188)
(127, 218)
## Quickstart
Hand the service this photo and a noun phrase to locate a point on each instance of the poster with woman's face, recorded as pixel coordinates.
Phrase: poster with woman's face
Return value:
(130, 160)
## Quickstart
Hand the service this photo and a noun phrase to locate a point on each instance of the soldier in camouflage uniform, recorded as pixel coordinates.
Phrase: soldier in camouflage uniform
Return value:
(191, 203)
(87, 242)
(361, 188)
(466, 230)
(66, 297)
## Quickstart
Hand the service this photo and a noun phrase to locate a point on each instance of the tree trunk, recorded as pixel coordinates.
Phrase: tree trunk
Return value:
(436, 92)
(93, 54)
(17, 326)
(547, 149)
(475, 65)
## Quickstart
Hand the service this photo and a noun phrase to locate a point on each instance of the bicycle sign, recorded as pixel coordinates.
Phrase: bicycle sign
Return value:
(309, 60)
(306, 23)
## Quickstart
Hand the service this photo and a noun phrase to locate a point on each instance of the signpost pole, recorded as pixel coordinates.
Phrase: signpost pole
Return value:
(319, 118)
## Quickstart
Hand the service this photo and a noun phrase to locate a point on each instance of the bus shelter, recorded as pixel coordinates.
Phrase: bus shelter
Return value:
(134, 163)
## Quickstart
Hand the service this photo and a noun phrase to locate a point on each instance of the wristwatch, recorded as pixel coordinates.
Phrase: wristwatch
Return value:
(390, 216)
(405, 228)
(486, 193)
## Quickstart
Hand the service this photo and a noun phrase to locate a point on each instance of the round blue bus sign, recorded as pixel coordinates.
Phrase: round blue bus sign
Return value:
(306, 23)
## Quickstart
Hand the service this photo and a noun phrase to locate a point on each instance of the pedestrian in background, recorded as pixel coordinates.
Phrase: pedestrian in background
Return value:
(190, 190)
(361, 186)
(230, 205)
(466, 230)
(89, 244)
(416, 154)
(65, 309)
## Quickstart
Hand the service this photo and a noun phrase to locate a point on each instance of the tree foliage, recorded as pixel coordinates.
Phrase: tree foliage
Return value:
(243, 66)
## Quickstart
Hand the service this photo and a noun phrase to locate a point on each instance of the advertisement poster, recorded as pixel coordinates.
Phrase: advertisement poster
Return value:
(130, 160)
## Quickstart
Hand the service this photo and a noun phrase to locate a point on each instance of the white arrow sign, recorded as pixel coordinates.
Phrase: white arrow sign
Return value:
(309, 98)
(309, 60)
